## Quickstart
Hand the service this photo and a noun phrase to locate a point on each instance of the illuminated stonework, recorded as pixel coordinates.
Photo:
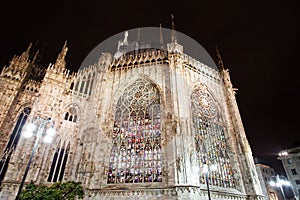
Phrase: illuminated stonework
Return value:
(210, 142)
(137, 124)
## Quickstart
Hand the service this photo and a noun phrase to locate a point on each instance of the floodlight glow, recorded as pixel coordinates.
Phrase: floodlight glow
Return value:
(287, 183)
(205, 169)
(278, 184)
(47, 139)
(50, 132)
(30, 127)
(27, 134)
(272, 183)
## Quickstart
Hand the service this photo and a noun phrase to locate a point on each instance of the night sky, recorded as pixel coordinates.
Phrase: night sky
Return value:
(258, 40)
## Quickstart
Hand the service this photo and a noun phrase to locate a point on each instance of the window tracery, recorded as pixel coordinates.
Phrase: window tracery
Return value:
(71, 115)
(136, 152)
(210, 141)
(59, 162)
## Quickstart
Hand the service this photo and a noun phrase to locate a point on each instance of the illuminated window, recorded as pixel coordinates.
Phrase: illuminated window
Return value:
(294, 172)
(59, 162)
(210, 141)
(136, 139)
(13, 141)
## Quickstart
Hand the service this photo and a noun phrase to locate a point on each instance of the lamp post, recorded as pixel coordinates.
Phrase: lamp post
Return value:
(29, 132)
(279, 182)
(205, 170)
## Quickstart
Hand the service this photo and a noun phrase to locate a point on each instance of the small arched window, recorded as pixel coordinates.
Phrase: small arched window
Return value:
(71, 115)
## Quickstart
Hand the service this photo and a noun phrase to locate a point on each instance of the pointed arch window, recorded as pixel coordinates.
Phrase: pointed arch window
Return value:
(59, 162)
(210, 142)
(71, 115)
(13, 141)
(136, 139)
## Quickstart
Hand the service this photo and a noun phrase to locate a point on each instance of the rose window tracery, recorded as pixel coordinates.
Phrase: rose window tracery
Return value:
(136, 151)
(203, 102)
(209, 137)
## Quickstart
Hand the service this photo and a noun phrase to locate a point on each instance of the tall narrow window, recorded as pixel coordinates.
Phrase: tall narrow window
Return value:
(87, 84)
(92, 83)
(59, 162)
(136, 140)
(83, 81)
(210, 141)
(13, 141)
(72, 86)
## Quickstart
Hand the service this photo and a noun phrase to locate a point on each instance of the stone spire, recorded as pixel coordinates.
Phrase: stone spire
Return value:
(60, 61)
(35, 56)
(161, 40)
(220, 61)
(138, 38)
(25, 55)
(174, 38)
(174, 47)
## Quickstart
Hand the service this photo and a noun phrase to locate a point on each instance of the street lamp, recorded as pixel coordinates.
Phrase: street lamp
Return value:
(279, 182)
(29, 132)
(206, 170)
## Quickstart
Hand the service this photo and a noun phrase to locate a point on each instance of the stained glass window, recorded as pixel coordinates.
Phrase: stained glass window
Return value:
(136, 138)
(210, 141)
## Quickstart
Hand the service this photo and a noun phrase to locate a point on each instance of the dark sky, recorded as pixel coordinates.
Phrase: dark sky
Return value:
(259, 42)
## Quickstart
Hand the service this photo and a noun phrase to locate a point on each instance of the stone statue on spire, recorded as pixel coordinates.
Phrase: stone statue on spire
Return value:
(174, 38)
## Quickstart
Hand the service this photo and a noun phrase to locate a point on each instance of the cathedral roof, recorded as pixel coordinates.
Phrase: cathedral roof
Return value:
(149, 38)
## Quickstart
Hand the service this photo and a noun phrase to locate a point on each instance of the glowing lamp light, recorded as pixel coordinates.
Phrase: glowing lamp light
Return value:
(287, 183)
(31, 127)
(50, 132)
(27, 134)
(205, 168)
(283, 153)
(278, 184)
(47, 139)
(272, 183)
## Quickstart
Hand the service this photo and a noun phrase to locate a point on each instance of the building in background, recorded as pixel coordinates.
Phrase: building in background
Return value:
(265, 175)
(140, 123)
(290, 159)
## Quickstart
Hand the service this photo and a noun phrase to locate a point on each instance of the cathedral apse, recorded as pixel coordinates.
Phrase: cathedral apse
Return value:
(148, 115)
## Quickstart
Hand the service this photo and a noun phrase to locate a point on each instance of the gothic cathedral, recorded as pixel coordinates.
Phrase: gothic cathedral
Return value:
(142, 122)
